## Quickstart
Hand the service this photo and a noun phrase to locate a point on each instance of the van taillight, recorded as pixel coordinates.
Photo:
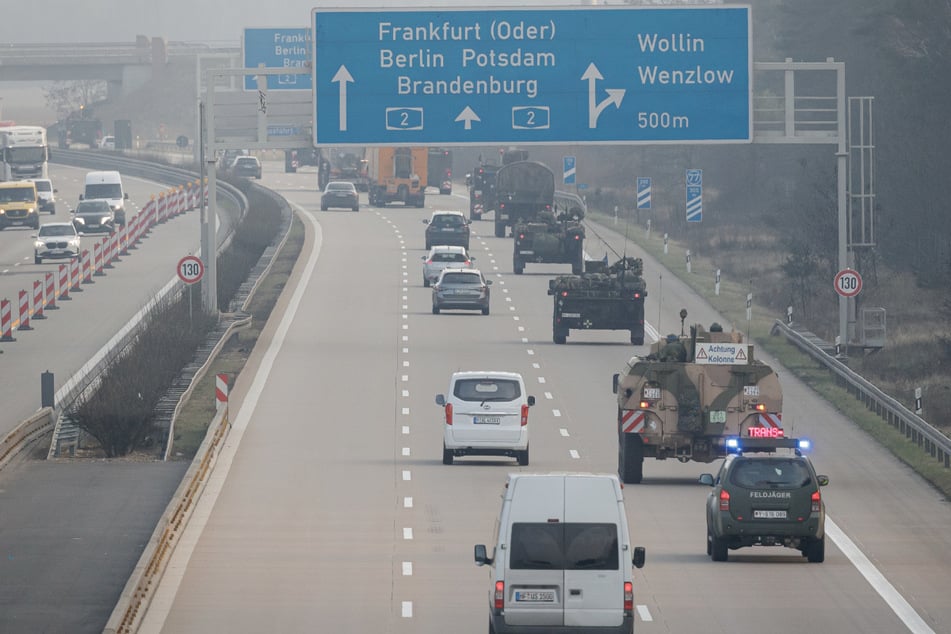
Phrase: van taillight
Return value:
(628, 596)
(449, 413)
(724, 499)
(816, 501)
(499, 595)
(524, 415)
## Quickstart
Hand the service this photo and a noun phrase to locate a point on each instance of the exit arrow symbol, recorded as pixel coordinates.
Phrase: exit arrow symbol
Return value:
(343, 76)
(468, 115)
(615, 95)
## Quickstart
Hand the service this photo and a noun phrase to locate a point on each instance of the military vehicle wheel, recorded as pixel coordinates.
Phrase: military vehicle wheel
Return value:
(475, 216)
(485, 311)
(499, 230)
(357, 208)
(559, 337)
(631, 460)
(446, 455)
(637, 340)
(323, 208)
(435, 309)
(816, 551)
(523, 458)
(577, 265)
(425, 282)
(518, 266)
(37, 259)
(718, 548)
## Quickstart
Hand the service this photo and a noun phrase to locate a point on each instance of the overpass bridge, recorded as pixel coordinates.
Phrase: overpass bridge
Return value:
(124, 66)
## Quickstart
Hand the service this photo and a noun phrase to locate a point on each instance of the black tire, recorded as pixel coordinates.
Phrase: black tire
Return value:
(357, 208)
(518, 267)
(559, 337)
(475, 216)
(435, 309)
(718, 548)
(491, 627)
(637, 339)
(323, 208)
(425, 282)
(499, 230)
(631, 459)
(709, 544)
(523, 458)
(577, 265)
(37, 259)
(428, 245)
(816, 550)
(446, 455)
(485, 311)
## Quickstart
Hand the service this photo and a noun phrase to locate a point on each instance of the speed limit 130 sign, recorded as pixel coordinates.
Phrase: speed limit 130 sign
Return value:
(848, 283)
(191, 269)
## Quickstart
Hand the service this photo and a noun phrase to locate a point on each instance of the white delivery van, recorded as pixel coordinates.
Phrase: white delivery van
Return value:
(107, 185)
(563, 561)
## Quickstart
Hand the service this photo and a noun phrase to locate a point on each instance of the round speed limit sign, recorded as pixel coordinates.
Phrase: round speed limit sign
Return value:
(191, 269)
(848, 283)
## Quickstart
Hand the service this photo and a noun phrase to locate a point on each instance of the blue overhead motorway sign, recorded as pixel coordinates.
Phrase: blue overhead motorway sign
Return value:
(588, 75)
(278, 48)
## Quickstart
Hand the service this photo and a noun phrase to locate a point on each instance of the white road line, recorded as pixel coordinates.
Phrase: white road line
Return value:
(515, 317)
(405, 411)
(405, 430)
(644, 613)
(407, 476)
(407, 569)
(536, 366)
(541, 379)
(405, 350)
(530, 351)
(522, 329)
(405, 378)
(408, 503)
(405, 393)
(877, 580)
(556, 413)
(405, 451)
(563, 432)
(407, 533)
(405, 337)
(549, 396)
(574, 454)
(407, 611)
(405, 364)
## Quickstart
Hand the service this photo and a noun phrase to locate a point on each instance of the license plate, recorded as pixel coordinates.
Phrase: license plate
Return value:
(769, 515)
(523, 252)
(718, 416)
(16, 223)
(575, 315)
(652, 393)
(486, 420)
(546, 596)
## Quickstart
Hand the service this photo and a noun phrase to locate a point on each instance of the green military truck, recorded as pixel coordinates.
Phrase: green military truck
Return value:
(602, 298)
(689, 395)
(552, 236)
(522, 189)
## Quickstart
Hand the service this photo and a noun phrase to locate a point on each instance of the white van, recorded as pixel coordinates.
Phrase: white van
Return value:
(563, 559)
(486, 415)
(107, 185)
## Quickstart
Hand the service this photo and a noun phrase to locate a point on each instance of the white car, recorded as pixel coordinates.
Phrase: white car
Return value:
(444, 257)
(486, 414)
(107, 142)
(46, 194)
(55, 240)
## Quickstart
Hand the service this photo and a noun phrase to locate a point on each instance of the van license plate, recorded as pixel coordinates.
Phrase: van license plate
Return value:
(769, 515)
(547, 596)
(486, 420)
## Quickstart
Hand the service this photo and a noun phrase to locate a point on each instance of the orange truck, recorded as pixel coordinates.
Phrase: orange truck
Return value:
(397, 174)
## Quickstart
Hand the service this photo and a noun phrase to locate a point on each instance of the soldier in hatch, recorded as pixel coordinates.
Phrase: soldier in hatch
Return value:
(674, 350)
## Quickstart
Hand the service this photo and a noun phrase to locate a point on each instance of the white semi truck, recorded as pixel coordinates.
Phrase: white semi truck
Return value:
(24, 153)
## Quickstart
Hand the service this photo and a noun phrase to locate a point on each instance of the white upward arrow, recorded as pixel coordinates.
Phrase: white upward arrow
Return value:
(343, 76)
(615, 95)
(468, 116)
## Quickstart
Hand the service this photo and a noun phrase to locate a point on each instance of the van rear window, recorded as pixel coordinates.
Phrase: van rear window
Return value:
(570, 546)
(487, 390)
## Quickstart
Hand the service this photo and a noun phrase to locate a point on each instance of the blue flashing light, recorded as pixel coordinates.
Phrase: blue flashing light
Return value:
(805, 444)
(733, 444)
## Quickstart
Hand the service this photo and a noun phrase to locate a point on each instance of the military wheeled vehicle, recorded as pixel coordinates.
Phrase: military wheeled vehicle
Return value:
(555, 236)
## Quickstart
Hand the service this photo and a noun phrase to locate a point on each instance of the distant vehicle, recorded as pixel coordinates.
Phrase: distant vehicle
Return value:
(19, 206)
(107, 185)
(766, 494)
(340, 194)
(464, 289)
(486, 415)
(55, 240)
(444, 257)
(246, 167)
(447, 227)
(439, 170)
(107, 142)
(94, 216)
(482, 197)
(396, 174)
(300, 157)
(46, 194)
(24, 153)
(522, 189)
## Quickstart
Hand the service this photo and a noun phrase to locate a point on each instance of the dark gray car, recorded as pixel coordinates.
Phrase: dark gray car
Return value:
(465, 289)
(94, 216)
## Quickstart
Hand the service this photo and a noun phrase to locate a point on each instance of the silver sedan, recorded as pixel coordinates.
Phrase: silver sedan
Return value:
(465, 289)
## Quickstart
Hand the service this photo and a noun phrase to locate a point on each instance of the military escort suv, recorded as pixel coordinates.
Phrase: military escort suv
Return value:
(766, 493)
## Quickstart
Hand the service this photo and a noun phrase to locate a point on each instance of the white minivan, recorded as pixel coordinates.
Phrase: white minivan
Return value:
(563, 561)
(107, 185)
(486, 415)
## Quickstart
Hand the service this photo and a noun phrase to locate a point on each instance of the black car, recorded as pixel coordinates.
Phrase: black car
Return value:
(447, 227)
(340, 194)
(94, 216)
(247, 167)
(766, 494)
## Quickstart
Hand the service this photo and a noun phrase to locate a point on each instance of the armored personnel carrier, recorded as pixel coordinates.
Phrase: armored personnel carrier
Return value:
(602, 298)
(685, 398)
(555, 236)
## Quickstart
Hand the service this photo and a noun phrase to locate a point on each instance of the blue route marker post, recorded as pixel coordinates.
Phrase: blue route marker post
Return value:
(278, 48)
(586, 75)
(694, 195)
(570, 170)
(643, 192)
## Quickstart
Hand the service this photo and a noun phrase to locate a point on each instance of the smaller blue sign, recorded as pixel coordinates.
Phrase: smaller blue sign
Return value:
(278, 48)
(569, 170)
(643, 192)
(283, 130)
(694, 187)
(582, 186)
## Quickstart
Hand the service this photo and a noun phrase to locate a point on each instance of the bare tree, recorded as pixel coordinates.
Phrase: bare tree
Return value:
(68, 97)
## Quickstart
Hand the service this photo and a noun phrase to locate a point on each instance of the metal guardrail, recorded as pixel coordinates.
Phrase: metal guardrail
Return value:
(915, 428)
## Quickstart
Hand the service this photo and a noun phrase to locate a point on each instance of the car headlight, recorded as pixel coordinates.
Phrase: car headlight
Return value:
(39, 244)
(31, 210)
(79, 220)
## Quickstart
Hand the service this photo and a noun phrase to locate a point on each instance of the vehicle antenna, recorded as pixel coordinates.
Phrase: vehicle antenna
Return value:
(660, 297)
